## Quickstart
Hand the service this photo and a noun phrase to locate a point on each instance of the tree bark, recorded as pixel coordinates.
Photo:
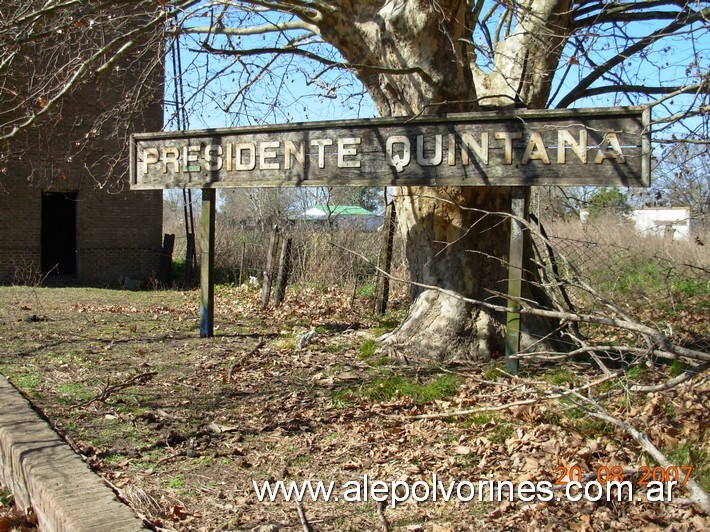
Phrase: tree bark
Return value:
(452, 240)
(456, 238)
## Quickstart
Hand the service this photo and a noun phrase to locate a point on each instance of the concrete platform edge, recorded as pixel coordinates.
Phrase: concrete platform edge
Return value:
(44, 473)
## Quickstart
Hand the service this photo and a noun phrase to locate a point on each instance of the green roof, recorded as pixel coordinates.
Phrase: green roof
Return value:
(337, 210)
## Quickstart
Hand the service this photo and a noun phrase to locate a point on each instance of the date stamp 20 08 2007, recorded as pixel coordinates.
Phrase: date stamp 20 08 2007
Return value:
(605, 474)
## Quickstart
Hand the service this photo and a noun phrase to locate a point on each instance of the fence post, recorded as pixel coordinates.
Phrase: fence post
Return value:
(241, 263)
(383, 282)
(284, 272)
(266, 288)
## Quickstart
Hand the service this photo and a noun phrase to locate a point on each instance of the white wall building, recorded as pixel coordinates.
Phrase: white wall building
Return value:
(666, 222)
(663, 222)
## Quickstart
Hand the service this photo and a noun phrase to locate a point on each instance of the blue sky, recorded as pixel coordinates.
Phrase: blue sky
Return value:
(305, 91)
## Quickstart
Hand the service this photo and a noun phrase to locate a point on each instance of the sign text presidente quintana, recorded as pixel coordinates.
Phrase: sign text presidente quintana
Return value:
(569, 147)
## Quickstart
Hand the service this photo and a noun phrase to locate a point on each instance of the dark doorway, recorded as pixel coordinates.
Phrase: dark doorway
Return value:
(59, 233)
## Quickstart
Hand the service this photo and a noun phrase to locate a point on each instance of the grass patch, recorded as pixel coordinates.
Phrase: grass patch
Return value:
(366, 290)
(342, 398)
(29, 380)
(478, 419)
(124, 408)
(500, 433)
(113, 433)
(691, 287)
(368, 348)
(318, 286)
(693, 454)
(591, 427)
(6, 498)
(636, 372)
(286, 341)
(114, 458)
(468, 460)
(177, 482)
(570, 410)
(336, 348)
(635, 271)
(678, 367)
(368, 353)
(392, 387)
(388, 322)
(74, 391)
(560, 377)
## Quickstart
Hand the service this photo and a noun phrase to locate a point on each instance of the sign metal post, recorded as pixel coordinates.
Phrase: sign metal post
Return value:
(515, 276)
(207, 219)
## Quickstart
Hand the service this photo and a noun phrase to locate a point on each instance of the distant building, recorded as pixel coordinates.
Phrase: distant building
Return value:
(341, 216)
(666, 222)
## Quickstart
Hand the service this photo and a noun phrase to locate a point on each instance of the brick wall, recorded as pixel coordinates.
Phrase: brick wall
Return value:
(81, 149)
(20, 221)
(118, 234)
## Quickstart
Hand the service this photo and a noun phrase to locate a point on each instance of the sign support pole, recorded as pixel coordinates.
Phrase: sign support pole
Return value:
(515, 276)
(207, 220)
(383, 282)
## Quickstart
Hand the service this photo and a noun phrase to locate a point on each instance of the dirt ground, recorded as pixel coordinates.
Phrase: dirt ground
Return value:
(182, 427)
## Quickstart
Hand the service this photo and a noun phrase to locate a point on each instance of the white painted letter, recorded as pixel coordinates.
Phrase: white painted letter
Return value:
(190, 154)
(321, 144)
(213, 157)
(229, 157)
(170, 155)
(508, 137)
(535, 149)
(248, 147)
(267, 151)
(564, 138)
(469, 143)
(610, 141)
(292, 151)
(150, 156)
(348, 152)
(436, 160)
(399, 162)
(451, 153)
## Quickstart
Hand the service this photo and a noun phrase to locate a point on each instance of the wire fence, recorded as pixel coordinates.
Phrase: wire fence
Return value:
(344, 257)
(606, 254)
(618, 263)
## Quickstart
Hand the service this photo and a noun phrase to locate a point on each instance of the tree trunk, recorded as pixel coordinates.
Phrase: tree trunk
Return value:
(456, 239)
(418, 57)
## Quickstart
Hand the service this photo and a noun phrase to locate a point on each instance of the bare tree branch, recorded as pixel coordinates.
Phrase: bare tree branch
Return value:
(594, 409)
(689, 17)
(669, 90)
(245, 31)
(286, 50)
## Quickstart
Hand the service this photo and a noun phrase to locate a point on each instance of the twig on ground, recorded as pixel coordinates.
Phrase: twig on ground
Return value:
(381, 507)
(672, 383)
(302, 516)
(697, 494)
(111, 389)
(234, 364)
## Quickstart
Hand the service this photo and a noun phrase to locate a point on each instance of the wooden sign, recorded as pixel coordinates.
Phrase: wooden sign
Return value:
(608, 146)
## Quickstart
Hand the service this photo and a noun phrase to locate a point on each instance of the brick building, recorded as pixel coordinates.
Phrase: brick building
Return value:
(65, 207)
